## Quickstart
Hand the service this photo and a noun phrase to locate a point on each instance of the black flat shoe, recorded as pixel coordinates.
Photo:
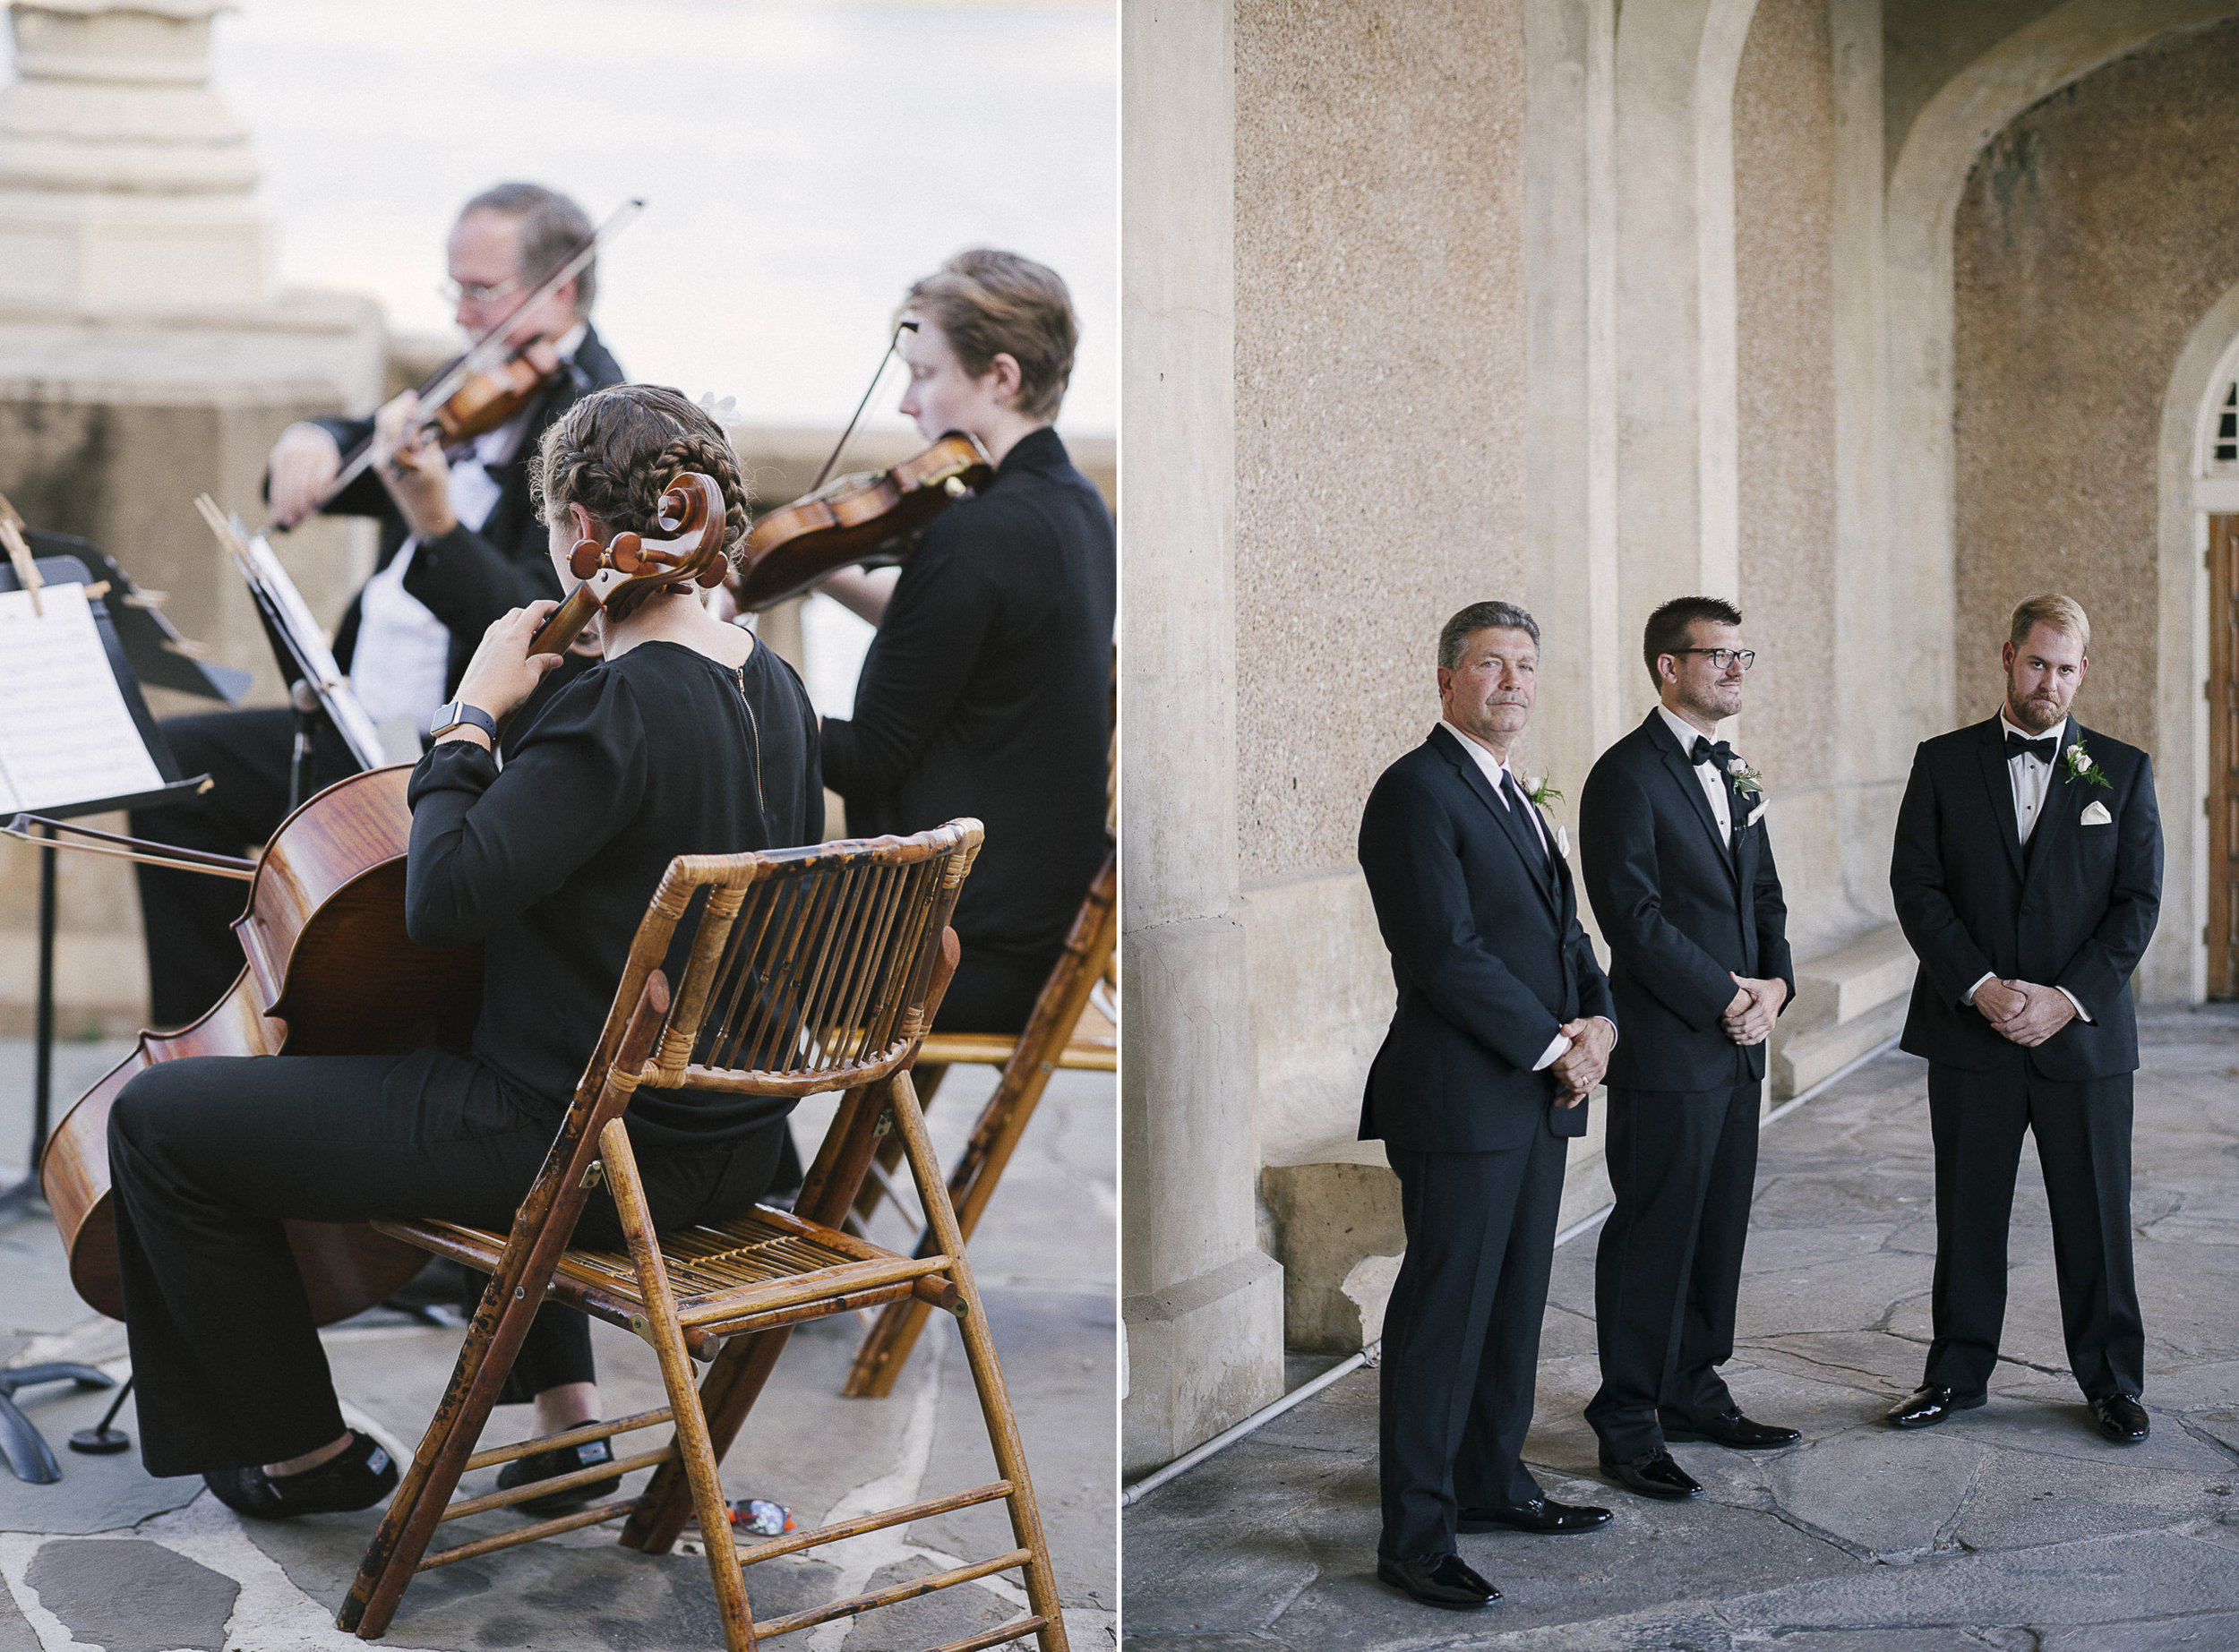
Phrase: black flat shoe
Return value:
(1654, 1475)
(550, 1465)
(1438, 1580)
(1733, 1430)
(1542, 1514)
(356, 1478)
(2122, 1418)
(1929, 1406)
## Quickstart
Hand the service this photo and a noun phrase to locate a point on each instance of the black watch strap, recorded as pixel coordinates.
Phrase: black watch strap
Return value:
(458, 712)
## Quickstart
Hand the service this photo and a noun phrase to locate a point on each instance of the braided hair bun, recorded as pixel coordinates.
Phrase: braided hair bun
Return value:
(617, 451)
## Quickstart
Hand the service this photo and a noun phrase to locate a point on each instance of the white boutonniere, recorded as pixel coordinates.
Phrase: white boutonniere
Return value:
(1744, 779)
(2077, 762)
(1543, 796)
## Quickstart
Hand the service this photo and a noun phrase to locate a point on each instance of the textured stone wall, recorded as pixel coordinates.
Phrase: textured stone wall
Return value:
(1784, 142)
(1379, 388)
(2094, 231)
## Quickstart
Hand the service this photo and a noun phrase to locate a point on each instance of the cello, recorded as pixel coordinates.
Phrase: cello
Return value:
(329, 969)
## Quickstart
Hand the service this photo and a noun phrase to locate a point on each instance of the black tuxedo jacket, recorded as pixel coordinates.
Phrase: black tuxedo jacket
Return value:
(2074, 908)
(1680, 913)
(1488, 956)
(468, 579)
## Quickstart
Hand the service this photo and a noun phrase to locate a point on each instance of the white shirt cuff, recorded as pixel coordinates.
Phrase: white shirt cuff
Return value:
(1968, 997)
(1555, 1051)
(2082, 1013)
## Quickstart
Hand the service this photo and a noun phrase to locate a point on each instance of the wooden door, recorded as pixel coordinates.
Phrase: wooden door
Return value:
(2223, 752)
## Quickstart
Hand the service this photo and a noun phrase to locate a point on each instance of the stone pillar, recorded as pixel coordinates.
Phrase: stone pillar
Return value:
(1203, 1304)
(144, 359)
(124, 180)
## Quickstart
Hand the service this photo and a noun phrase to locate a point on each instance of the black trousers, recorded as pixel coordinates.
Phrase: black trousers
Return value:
(209, 1157)
(2082, 1133)
(1667, 1271)
(193, 956)
(1462, 1336)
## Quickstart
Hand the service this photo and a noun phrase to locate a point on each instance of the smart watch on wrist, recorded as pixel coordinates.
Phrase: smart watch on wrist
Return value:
(451, 717)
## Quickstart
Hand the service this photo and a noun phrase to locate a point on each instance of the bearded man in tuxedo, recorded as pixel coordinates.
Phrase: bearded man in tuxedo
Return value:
(2028, 877)
(1501, 1030)
(1678, 863)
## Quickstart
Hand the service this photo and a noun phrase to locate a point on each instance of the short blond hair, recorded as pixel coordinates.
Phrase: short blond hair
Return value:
(2062, 613)
(987, 304)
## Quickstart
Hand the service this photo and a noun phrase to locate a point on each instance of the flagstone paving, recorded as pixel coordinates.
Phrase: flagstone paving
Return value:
(111, 1558)
(2014, 1527)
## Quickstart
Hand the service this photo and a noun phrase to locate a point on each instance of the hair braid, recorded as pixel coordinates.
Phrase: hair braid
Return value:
(617, 451)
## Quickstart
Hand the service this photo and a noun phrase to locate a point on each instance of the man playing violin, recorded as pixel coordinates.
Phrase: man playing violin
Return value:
(987, 689)
(461, 545)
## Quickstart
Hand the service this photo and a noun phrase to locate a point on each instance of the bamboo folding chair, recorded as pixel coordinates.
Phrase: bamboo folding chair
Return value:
(808, 970)
(1058, 1034)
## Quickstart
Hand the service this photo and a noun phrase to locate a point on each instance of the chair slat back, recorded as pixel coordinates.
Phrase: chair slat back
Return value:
(809, 968)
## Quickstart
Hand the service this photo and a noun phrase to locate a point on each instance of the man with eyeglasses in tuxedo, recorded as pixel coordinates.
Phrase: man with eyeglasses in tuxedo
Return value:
(461, 547)
(1678, 865)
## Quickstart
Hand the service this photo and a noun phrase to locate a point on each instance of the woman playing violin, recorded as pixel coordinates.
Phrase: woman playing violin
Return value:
(689, 738)
(988, 690)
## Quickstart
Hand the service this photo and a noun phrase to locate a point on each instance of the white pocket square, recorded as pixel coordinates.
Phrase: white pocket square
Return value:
(2094, 814)
(1753, 817)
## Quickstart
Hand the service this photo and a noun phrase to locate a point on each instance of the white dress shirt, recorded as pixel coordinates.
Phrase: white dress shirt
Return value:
(403, 650)
(1713, 783)
(1496, 771)
(2032, 780)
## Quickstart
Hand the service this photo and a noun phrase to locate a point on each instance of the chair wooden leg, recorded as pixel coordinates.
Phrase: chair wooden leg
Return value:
(735, 1381)
(889, 1153)
(659, 1328)
(987, 1374)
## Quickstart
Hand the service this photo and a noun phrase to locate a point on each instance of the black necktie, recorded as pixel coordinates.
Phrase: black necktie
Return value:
(1531, 825)
(2041, 749)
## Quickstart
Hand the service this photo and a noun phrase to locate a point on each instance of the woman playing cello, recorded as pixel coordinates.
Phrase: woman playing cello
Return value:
(689, 738)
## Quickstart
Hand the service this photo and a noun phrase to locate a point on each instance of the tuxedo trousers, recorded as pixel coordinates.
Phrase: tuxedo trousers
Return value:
(1462, 1336)
(1668, 1271)
(2083, 1141)
(210, 1157)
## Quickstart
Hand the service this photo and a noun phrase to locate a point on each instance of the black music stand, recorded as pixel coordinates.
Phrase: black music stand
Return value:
(306, 665)
(70, 570)
(159, 655)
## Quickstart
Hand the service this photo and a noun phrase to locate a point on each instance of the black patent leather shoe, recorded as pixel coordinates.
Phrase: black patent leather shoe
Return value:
(1542, 1514)
(1732, 1429)
(1929, 1406)
(1438, 1580)
(2122, 1418)
(1654, 1475)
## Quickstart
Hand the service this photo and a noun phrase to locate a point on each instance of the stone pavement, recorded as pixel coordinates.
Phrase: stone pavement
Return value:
(2014, 1527)
(110, 1558)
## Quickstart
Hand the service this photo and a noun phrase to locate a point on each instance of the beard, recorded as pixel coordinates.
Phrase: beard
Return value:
(2034, 715)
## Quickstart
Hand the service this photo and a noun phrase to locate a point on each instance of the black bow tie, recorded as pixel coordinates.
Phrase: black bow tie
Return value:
(2043, 749)
(1720, 754)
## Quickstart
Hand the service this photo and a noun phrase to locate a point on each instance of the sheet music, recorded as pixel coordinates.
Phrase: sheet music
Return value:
(66, 735)
(350, 721)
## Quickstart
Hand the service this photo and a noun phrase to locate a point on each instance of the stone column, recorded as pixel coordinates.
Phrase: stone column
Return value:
(1203, 1304)
(145, 358)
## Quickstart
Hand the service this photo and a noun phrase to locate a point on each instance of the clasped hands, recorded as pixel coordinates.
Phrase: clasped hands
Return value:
(1748, 1019)
(1578, 1069)
(2023, 1011)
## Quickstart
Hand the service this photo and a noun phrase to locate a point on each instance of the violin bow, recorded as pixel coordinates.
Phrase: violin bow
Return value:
(869, 391)
(488, 349)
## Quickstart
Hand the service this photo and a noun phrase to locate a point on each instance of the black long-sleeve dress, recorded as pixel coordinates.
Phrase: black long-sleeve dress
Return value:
(988, 692)
(551, 864)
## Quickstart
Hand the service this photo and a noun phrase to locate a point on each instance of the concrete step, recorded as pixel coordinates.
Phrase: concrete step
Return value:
(1812, 1055)
(1855, 978)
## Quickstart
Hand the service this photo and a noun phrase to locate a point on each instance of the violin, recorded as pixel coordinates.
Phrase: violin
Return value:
(475, 393)
(330, 969)
(873, 519)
